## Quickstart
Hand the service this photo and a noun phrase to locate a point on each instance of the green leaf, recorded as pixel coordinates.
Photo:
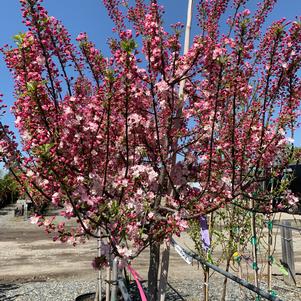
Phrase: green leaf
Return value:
(283, 270)
(31, 86)
(19, 38)
(43, 151)
(128, 45)
(110, 75)
(209, 258)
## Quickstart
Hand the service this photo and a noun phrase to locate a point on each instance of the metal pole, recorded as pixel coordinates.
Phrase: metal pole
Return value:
(124, 292)
(186, 41)
(114, 280)
(288, 226)
(270, 260)
(238, 280)
(25, 211)
(108, 283)
(99, 278)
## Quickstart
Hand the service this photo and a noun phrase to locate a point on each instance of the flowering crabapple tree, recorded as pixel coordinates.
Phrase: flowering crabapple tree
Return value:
(112, 142)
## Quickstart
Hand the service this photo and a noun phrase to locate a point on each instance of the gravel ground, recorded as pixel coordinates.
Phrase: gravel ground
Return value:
(69, 289)
(63, 290)
(33, 268)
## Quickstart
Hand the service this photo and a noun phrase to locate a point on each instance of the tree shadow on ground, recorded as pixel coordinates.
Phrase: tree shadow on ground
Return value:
(171, 293)
(4, 288)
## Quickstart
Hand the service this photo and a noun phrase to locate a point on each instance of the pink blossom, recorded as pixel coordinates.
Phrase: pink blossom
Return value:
(35, 219)
(40, 60)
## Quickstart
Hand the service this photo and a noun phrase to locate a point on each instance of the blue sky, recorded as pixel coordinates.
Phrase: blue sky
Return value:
(90, 16)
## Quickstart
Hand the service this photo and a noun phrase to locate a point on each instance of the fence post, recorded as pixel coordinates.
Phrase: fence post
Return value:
(288, 260)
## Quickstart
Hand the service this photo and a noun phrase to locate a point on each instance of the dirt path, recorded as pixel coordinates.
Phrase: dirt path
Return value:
(28, 254)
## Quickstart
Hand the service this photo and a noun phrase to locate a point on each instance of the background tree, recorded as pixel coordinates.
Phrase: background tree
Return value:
(9, 190)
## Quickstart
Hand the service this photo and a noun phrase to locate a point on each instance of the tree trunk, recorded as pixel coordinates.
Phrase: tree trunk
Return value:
(164, 271)
(153, 271)
(226, 280)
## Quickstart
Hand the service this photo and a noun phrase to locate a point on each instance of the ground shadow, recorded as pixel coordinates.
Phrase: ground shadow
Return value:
(4, 288)
(171, 293)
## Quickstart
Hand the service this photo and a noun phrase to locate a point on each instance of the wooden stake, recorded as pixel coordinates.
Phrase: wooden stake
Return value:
(254, 246)
(206, 269)
(270, 241)
(206, 283)
(240, 273)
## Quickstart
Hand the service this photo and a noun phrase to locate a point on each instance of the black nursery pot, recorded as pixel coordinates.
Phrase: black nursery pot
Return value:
(86, 297)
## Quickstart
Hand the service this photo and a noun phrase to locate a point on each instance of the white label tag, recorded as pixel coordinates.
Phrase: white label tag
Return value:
(182, 253)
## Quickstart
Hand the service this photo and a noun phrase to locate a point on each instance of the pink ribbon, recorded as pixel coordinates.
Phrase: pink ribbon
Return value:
(137, 277)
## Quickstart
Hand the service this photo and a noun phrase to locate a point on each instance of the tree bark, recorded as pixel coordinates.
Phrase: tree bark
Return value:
(224, 292)
(164, 271)
(154, 261)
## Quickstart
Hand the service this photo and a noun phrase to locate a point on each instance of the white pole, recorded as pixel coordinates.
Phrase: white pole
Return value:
(98, 296)
(186, 42)
(25, 211)
(114, 279)
(108, 282)
(165, 255)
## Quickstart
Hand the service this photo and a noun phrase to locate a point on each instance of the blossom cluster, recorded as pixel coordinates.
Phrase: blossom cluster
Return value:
(118, 149)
